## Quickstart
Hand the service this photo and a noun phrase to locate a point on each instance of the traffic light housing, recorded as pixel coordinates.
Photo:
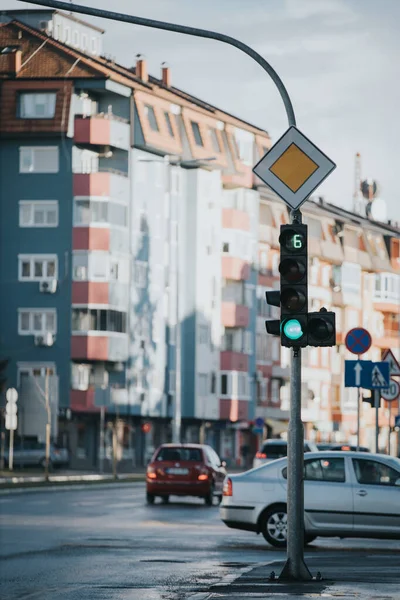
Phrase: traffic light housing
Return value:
(321, 328)
(293, 285)
(3, 377)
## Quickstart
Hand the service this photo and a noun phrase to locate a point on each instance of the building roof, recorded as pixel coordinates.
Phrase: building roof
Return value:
(41, 65)
(69, 16)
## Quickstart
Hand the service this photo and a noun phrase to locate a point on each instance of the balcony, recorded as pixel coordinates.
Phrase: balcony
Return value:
(234, 268)
(99, 345)
(102, 130)
(102, 182)
(240, 179)
(83, 400)
(91, 238)
(235, 219)
(233, 361)
(234, 315)
(387, 293)
(233, 410)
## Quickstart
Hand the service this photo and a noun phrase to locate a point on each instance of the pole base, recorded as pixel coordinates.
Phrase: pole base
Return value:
(295, 571)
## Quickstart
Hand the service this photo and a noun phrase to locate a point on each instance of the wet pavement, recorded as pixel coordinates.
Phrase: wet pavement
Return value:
(105, 543)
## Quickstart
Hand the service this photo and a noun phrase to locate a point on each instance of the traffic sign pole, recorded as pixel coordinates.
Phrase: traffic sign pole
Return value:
(295, 568)
(359, 402)
(377, 398)
(11, 451)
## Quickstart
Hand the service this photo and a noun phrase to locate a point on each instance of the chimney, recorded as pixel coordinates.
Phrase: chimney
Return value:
(165, 74)
(11, 58)
(141, 68)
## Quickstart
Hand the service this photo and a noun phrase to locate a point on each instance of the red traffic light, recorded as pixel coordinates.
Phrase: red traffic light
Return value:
(146, 427)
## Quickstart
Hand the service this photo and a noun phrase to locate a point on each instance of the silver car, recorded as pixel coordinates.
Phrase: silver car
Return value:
(346, 494)
(33, 453)
(273, 449)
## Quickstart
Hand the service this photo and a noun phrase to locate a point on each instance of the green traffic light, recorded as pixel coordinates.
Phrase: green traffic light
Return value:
(292, 329)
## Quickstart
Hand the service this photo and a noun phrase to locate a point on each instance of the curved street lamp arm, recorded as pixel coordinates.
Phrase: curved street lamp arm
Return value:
(205, 33)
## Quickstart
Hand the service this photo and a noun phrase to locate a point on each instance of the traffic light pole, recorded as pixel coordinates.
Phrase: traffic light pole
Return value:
(295, 568)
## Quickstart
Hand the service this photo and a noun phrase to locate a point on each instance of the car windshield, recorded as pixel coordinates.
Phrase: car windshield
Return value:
(180, 454)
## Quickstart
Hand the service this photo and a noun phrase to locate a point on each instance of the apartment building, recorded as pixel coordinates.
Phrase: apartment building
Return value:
(125, 203)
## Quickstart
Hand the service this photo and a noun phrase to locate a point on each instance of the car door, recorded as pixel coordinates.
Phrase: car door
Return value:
(376, 496)
(328, 495)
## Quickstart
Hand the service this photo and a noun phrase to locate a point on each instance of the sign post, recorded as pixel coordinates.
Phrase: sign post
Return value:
(358, 341)
(11, 422)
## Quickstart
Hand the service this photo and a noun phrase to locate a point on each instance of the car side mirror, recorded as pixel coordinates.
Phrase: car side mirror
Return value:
(397, 482)
(223, 464)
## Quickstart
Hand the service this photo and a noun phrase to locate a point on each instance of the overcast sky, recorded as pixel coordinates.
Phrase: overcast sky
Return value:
(339, 60)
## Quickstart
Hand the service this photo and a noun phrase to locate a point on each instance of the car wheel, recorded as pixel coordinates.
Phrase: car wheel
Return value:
(150, 498)
(165, 499)
(210, 496)
(274, 526)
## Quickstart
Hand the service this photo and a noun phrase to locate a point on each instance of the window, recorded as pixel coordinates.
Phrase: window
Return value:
(224, 384)
(151, 117)
(67, 35)
(202, 384)
(38, 159)
(215, 140)
(275, 391)
(180, 454)
(225, 247)
(93, 46)
(38, 213)
(233, 291)
(325, 469)
(84, 42)
(371, 472)
(213, 388)
(387, 287)
(37, 267)
(203, 336)
(36, 321)
(197, 134)
(37, 105)
(169, 124)
(75, 38)
(80, 376)
(95, 319)
(141, 274)
(314, 228)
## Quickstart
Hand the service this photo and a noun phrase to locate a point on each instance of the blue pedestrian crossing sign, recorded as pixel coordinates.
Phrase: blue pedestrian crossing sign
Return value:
(366, 374)
(397, 421)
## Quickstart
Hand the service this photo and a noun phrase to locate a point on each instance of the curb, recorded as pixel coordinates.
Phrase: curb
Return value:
(63, 482)
(11, 491)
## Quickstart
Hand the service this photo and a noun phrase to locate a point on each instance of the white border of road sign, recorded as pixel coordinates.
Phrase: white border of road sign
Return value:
(395, 387)
(294, 136)
(389, 357)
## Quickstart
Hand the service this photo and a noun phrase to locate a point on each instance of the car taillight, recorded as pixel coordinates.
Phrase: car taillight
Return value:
(345, 448)
(261, 455)
(227, 489)
(203, 475)
(151, 473)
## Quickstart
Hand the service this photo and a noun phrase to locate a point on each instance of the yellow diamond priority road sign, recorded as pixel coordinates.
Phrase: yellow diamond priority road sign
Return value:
(294, 167)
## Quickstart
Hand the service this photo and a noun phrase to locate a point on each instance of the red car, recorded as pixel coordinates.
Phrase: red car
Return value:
(185, 470)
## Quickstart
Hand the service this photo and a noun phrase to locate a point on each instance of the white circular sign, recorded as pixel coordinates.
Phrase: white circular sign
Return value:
(12, 395)
(392, 392)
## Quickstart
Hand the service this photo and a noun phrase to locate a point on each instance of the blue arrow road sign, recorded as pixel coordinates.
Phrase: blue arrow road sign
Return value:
(366, 374)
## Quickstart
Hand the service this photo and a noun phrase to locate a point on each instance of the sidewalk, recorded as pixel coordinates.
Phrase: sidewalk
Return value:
(27, 479)
(364, 574)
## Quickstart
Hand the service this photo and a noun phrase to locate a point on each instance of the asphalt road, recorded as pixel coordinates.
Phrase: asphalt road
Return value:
(105, 543)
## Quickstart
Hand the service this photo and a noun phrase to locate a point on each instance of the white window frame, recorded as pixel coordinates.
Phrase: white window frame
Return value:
(30, 367)
(50, 104)
(32, 258)
(32, 204)
(80, 376)
(33, 311)
(32, 150)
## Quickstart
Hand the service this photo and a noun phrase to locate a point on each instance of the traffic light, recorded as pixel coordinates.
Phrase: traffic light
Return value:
(321, 328)
(293, 288)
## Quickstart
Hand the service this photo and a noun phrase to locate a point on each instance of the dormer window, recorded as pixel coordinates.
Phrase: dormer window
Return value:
(196, 133)
(169, 124)
(37, 105)
(215, 140)
(151, 117)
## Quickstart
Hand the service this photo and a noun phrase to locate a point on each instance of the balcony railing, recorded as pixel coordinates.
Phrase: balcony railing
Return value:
(89, 169)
